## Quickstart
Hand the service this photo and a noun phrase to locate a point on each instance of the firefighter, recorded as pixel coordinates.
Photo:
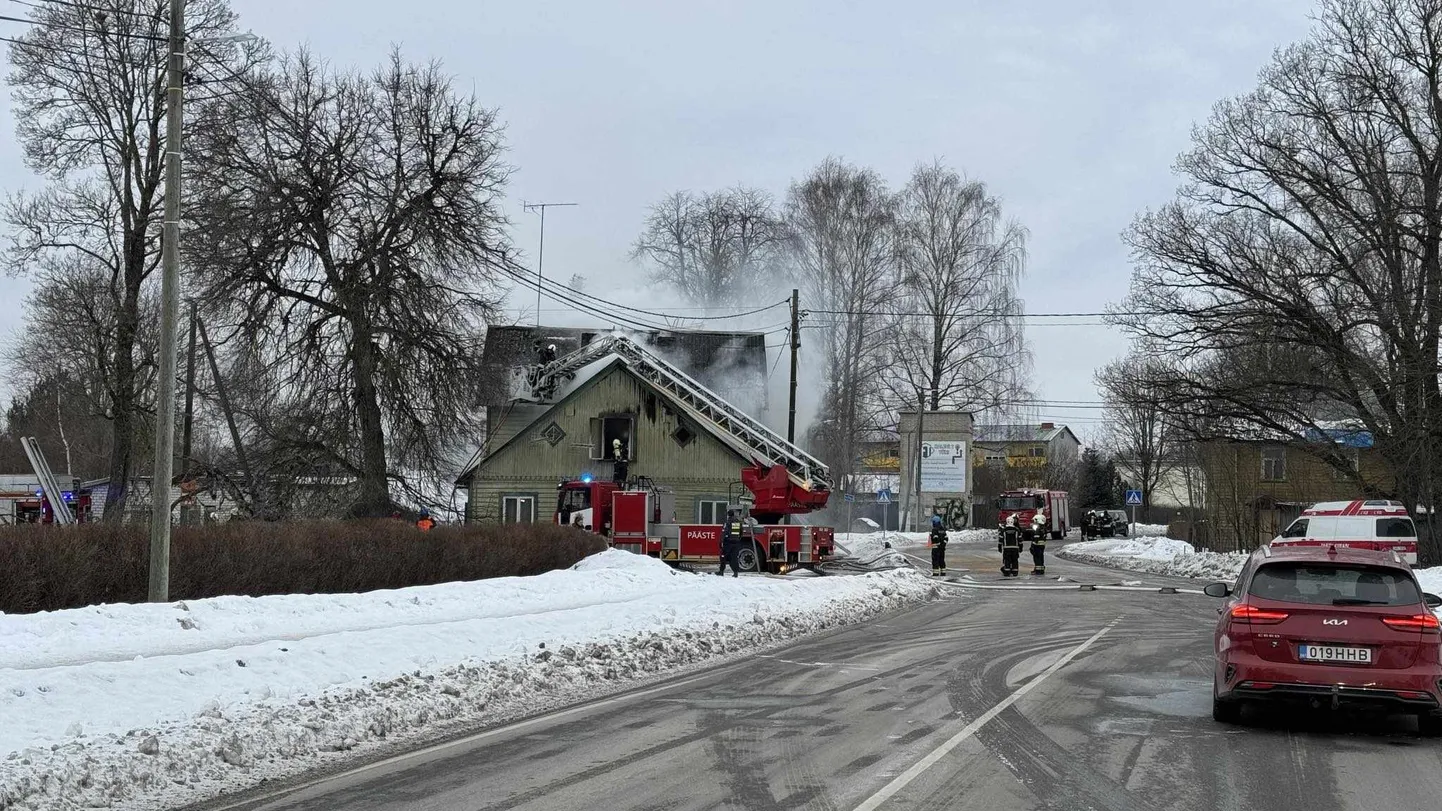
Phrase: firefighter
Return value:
(425, 523)
(937, 541)
(1038, 544)
(1009, 544)
(731, 537)
(548, 354)
(619, 462)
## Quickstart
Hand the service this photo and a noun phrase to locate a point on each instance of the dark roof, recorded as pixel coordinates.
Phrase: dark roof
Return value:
(722, 361)
(1018, 433)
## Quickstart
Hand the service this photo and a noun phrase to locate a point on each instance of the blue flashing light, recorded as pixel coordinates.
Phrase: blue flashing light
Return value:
(585, 478)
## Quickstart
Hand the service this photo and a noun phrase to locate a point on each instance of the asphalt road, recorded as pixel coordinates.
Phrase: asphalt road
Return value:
(997, 700)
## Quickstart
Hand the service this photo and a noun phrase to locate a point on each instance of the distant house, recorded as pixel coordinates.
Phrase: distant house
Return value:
(533, 444)
(1021, 446)
(1254, 489)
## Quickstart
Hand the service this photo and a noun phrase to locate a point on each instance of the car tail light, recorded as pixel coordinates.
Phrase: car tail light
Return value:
(1256, 616)
(1420, 622)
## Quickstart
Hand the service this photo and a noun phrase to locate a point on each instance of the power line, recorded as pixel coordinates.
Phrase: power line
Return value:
(46, 47)
(997, 314)
(78, 29)
(84, 7)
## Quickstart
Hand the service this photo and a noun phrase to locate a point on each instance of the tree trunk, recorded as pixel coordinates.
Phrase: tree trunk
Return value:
(373, 499)
(123, 402)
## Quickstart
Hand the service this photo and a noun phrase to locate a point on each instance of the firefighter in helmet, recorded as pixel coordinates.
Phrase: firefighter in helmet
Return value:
(1039, 531)
(937, 542)
(619, 463)
(1009, 544)
(731, 535)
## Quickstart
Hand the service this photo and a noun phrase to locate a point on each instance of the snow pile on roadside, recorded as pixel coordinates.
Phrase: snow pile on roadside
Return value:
(1149, 530)
(1154, 555)
(1431, 580)
(158, 705)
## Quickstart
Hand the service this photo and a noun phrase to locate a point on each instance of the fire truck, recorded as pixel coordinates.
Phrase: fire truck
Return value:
(1025, 503)
(780, 480)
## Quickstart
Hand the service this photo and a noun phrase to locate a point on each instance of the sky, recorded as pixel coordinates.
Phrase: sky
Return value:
(1072, 113)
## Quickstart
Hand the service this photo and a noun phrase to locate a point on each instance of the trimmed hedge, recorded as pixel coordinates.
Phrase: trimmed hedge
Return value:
(45, 568)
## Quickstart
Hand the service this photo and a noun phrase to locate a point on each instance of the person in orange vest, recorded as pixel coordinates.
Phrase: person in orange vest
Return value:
(425, 522)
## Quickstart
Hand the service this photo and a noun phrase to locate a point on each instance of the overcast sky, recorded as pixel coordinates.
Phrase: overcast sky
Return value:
(1072, 112)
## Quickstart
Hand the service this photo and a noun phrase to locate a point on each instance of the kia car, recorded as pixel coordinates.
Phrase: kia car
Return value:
(1328, 628)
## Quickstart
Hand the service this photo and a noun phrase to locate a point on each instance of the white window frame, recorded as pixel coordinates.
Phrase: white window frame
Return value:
(718, 510)
(1272, 462)
(519, 499)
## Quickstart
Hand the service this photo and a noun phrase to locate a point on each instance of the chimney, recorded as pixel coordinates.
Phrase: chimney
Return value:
(1046, 426)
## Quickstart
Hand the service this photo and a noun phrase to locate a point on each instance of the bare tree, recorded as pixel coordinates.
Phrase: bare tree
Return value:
(960, 267)
(353, 238)
(1298, 276)
(713, 248)
(88, 80)
(1139, 431)
(843, 224)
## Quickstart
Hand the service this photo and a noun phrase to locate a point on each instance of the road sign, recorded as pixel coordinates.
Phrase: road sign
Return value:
(883, 496)
(849, 497)
(1134, 498)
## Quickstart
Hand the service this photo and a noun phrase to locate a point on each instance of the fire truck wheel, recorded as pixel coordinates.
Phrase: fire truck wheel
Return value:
(746, 560)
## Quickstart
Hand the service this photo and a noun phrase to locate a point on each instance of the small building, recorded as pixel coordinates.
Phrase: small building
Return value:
(1023, 446)
(561, 421)
(945, 468)
(1256, 488)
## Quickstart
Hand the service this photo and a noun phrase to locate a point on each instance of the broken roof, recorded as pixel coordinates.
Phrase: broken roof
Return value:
(717, 360)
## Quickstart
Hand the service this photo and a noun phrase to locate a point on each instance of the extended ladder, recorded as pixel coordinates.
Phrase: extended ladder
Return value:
(765, 445)
(48, 485)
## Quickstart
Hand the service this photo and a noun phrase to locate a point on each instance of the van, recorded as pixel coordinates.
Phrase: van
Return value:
(1378, 525)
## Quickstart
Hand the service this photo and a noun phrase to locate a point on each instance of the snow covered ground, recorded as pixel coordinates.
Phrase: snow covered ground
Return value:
(1156, 555)
(147, 706)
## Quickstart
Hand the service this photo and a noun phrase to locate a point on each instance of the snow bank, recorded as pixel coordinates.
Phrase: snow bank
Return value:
(1149, 530)
(1430, 578)
(1154, 555)
(156, 705)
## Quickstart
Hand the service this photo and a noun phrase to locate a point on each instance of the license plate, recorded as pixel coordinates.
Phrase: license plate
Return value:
(1333, 653)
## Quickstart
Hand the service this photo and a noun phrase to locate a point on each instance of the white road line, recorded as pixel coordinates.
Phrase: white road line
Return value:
(441, 747)
(900, 782)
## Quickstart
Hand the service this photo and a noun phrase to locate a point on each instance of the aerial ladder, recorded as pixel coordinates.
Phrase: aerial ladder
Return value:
(808, 476)
(48, 485)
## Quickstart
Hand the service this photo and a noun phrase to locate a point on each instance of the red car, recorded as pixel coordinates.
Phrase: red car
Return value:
(1328, 628)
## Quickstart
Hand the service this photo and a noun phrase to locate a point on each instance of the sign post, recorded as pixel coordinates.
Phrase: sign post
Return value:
(883, 497)
(850, 499)
(1134, 500)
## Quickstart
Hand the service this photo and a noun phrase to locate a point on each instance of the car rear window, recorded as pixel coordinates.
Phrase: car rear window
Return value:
(1319, 584)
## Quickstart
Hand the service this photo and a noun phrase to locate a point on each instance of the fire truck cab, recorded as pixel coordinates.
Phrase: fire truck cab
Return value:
(1027, 502)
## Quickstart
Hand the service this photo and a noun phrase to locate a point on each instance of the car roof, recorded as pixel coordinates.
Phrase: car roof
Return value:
(1323, 554)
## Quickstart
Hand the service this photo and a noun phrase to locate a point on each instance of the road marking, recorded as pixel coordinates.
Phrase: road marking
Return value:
(902, 780)
(256, 801)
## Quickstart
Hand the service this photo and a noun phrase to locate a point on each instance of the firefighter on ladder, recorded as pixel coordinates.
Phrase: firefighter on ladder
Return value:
(1009, 544)
(937, 542)
(1039, 531)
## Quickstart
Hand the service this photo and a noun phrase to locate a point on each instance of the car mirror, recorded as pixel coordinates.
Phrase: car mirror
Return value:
(1432, 600)
(1217, 590)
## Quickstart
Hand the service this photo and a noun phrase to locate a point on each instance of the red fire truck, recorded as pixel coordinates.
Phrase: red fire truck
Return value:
(1025, 503)
(641, 518)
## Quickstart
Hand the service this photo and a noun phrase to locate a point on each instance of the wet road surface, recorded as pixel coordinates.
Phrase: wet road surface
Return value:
(997, 700)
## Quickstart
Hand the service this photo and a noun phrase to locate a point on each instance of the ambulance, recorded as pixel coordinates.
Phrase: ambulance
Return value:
(1378, 525)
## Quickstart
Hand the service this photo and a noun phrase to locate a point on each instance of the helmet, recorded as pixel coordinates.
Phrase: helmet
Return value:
(425, 513)
(551, 347)
(1011, 520)
(615, 443)
(936, 520)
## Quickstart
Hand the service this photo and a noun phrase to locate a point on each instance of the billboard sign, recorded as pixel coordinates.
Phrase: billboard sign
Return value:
(943, 467)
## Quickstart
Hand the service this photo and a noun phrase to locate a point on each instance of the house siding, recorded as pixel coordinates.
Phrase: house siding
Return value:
(1246, 510)
(703, 469)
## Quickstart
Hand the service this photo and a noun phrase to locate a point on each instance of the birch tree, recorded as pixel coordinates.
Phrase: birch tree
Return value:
(715, 249)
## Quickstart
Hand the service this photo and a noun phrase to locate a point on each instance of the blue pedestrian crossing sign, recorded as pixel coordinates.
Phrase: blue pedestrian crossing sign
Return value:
(849, 497)
(883, 496)
(1134, 498)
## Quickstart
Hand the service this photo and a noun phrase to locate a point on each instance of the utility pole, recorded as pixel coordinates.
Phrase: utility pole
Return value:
(169, 315)
(795, 345)
(186, 426)
(541, 253)
(920, 419)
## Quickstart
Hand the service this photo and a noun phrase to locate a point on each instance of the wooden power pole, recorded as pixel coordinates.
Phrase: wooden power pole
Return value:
(795, 345)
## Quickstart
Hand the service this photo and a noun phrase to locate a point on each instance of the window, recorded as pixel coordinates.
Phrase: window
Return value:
(1334, 585)
(683, 435)
(608, 428)
(710, 511)
(1350, 456)
(1395, 528)
(1274, 464)
(1036, 450)
(1012, 503)
(518, 509)
(1298, 529)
